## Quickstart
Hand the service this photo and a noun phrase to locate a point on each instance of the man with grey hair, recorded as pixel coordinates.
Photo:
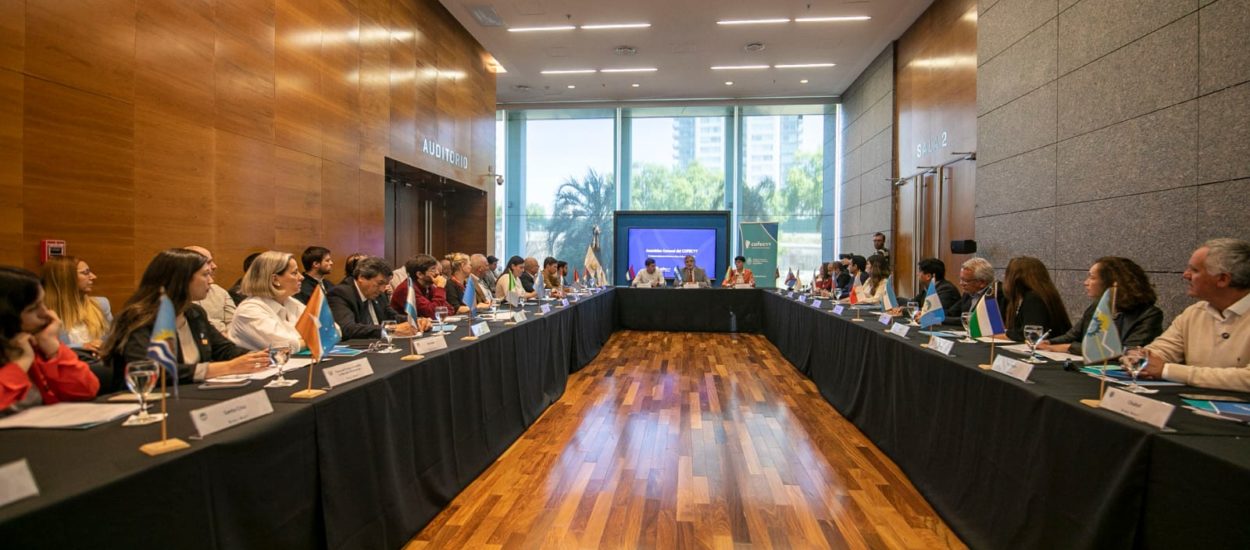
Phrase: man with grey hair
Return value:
(1208, 345)
(218, 304)
(479, 266)
(359, 306)
(976, 277)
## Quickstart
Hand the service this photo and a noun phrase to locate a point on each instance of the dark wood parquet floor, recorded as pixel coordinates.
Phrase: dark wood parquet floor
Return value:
(690, 440)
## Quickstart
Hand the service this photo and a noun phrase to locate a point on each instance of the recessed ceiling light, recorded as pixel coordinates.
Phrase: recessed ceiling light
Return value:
(737, 67)
(634, 84)
(617, 26)
(804, 81)
(569, 71)
(729, 83)
(571, 86)
(542, 29)
(632, 70)
(805, 65)
(831, 19)
(751, 21)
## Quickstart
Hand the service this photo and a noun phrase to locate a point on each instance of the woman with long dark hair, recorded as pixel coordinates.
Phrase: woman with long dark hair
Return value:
(33, 355)
(1032, 299)
(203, 352)
(1137, 319)
(873, 290)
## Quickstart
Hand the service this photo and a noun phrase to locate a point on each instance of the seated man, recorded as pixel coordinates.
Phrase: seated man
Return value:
(431, 286)
(479, 269)
(489, 276)
(692, 273)
(359, 306)
(218, 304)
(649, 277)
(933, 269)
(739, 274)
(529, 274)
(976, 276)
(317, 266)
(1208, 345)
(551, 277)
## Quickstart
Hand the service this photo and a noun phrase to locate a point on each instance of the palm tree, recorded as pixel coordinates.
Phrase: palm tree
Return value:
(579, 207)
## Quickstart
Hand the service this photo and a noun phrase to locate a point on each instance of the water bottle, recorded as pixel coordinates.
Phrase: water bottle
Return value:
(733, 322)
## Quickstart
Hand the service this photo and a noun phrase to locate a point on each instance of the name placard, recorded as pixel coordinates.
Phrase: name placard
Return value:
(885, 319)
(227, 414)
(802, 299)
(1139, 408)
(346, 372)
(503, 316)
(429, 343)
(941, 345)
(837, 310)
(16, 482)
(1010, 367)
(899, 329)
(519, 317)
(479, 329)
(564, 302)
(545, 309)
(816, 304)
(743, 285)
(690, 285)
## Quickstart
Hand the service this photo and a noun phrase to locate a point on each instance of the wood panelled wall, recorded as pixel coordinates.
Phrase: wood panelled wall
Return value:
(127, 127)
(936, 97)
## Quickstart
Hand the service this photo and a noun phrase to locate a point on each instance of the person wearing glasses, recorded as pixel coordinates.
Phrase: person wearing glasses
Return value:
(85, 319)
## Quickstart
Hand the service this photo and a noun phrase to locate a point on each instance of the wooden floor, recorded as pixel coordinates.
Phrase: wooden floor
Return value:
(690, 440)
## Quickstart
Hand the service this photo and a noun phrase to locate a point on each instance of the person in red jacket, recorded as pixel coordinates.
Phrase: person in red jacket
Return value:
(33, 355)
(431, 287)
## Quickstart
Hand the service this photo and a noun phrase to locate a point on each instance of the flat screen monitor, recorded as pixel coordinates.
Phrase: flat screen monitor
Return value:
(669, 247)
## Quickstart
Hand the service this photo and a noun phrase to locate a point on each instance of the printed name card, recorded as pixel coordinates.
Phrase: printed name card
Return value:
(346, 372)
(816, 304)
(1139, 408)
(690, 285)
(564, 302)
(743, 285)
(885, 319)
(245, 408)
(545, 309)
(1010, 367)
(899, 329)
(16, 482)
(941, 345)
(837, 310)
(503, 316)
(479, 329)
(802, 299)
(429, 343)
(519, 317)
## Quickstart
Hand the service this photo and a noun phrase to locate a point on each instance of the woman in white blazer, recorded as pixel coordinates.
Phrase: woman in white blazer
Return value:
(268, 315)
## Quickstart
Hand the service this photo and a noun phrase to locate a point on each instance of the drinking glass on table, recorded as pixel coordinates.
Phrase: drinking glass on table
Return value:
(966, 319)
(912, 309)
(440, 312)
(1135, 360)
(388, 333)
(837, 293)
(279, 354)
(1033, 335)
(141, 378)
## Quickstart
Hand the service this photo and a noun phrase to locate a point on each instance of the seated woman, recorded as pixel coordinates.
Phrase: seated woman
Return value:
(1032, 299)
(511, 280)
(873, 290)
(267, 316)
(32, 355)
(823, 284)
(203, 352)
(1137, 319)
(739, 274)
(85, 319)
(455, 285)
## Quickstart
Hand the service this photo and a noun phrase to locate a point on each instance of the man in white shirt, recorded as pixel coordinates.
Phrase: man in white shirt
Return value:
(649, 277)
(219, 305)
(1208, 345)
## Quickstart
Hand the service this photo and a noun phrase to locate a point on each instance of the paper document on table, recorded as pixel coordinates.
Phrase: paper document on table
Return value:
(1052, 355)
(1116, 375)
(292, 364)
(67, 415)
(453, 319)
(943, 333)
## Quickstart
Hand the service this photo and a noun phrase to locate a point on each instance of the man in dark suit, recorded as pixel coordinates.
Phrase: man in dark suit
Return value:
(317, 266)
(359, 305)
(934, 270)
(976, 277)
(528, 275)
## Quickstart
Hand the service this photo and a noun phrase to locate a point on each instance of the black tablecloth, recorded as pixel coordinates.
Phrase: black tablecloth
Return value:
(689, 309)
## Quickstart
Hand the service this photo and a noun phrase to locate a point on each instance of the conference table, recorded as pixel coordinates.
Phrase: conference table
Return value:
(1005, 463)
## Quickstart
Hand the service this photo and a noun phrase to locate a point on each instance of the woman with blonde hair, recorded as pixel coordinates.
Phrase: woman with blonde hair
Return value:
(267, 317)
(85, 319)
(459, 274)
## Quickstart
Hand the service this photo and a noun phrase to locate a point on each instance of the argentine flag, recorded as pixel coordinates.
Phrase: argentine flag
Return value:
(410, 307)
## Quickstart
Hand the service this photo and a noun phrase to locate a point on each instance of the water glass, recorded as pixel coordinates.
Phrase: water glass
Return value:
(140, 379)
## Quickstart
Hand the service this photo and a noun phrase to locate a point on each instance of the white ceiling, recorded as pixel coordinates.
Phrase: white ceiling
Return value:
(683, 42)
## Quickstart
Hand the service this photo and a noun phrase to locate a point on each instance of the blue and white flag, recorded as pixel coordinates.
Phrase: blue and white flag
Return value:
(1102, 339)
(891, 299)
(538, 285)
(164, 334)
(931, 313)
(470, 296)
(410, 305)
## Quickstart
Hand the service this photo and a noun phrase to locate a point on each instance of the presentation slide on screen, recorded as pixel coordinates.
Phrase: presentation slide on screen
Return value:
(669, 247)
